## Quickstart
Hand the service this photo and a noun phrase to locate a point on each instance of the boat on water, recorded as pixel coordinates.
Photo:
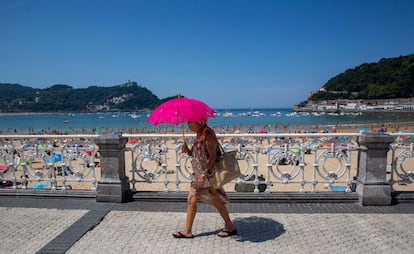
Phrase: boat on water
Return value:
(276, 114)
(135, 116)
(257, 114)
(228, 114)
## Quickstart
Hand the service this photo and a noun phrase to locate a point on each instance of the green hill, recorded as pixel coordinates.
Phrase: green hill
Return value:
(387, 79)
(63, 98)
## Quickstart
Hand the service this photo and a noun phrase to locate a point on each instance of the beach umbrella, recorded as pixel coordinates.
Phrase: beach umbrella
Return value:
(180, 110)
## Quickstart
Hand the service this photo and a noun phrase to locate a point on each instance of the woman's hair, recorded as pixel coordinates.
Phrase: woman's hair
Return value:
(203, 122)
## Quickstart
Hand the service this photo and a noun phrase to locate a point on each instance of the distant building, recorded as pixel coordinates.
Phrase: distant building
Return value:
(403, 104)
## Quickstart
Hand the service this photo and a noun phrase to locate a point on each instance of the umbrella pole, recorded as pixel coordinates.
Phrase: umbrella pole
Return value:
(182, 128)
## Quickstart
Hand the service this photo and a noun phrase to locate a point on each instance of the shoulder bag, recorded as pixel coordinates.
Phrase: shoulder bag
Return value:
(226, 169)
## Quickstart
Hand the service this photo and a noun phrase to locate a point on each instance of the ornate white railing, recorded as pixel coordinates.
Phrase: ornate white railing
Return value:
(269, 162)
(48, 162)
(402, 165)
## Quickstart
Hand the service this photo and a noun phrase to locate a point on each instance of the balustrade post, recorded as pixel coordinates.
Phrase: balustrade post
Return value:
(372, 185)
(113, 185)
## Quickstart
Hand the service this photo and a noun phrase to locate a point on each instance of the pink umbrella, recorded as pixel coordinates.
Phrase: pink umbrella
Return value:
(180, 110)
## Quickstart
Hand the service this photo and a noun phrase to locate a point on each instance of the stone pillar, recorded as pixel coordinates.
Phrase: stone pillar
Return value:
(372, 186)
(114, 185)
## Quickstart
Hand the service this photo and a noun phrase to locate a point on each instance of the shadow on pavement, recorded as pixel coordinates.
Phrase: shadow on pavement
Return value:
(257, 229)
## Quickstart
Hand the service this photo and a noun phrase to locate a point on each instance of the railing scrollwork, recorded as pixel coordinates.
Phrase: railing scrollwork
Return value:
(402, 166)
(47, 163)
(269, 162)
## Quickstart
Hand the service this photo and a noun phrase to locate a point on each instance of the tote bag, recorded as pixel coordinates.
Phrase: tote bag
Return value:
(225, 170)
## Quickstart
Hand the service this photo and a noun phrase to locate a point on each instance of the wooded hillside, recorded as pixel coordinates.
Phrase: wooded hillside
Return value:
(63, 98)
(387, 79)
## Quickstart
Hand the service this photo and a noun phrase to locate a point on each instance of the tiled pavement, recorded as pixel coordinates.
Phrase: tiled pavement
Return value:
(59, 225)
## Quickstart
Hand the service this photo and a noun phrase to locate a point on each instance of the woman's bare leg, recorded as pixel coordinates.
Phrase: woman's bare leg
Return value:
(221, 208)
(191, 213)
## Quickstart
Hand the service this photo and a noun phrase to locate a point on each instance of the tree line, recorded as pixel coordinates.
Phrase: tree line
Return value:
(389, 78)
(64, 98)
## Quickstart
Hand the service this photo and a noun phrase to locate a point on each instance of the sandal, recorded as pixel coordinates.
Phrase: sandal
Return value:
(181, 235)
(226, 233)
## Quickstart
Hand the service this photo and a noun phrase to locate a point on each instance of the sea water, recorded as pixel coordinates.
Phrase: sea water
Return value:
(267, 119)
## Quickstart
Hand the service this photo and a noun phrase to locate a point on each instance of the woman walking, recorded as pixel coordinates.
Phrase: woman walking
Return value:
(204, 154)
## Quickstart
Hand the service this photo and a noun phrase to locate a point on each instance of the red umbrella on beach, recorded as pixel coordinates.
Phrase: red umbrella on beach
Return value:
(180, 110)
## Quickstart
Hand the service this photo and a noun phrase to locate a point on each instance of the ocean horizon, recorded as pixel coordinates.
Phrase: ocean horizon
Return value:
(271, 119)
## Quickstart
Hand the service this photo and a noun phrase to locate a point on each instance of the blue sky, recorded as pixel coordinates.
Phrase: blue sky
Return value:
(230, 54)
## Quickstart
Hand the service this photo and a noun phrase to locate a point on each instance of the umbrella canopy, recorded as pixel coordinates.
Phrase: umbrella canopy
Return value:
(180, 110)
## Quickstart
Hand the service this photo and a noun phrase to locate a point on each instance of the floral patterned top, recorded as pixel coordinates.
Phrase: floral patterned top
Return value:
(200, 156)
(199, 162)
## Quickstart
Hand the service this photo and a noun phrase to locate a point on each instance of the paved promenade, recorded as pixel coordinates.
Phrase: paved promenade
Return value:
(50, 225)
